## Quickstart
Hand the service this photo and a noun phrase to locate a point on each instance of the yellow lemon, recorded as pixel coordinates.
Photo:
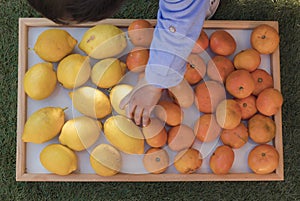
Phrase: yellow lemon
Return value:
(80, 133)
(58, 159)
(122, 133)
(106, 160)
(73, 71)
(103, 41)
(91, 102)
(43, 125)
(108, 72)
(40, 81)
(116, 95)
(54, 44)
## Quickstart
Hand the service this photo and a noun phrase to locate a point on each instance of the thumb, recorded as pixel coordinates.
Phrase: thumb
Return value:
(125, 101)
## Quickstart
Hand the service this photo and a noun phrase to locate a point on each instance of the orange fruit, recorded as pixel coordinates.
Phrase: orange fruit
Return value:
(236, 137)
(219, 67)
(195, 69)
(201, 43)
(140, 32)
(263, 159)
(248, 59)
(248, 106)
(262, 80)
(137, 59)
(169, 112)
(188, 161)
(180, 137)
(208, 95)
(207, 128)
(269, 101)
(262, 129)
(155, 133)
(240, 83)
(222, 43)
(265, 39)
(221, 160)
(228, 114)
(182, 94)
(156, 160)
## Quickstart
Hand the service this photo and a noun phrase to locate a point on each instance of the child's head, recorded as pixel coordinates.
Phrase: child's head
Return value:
(65, 11)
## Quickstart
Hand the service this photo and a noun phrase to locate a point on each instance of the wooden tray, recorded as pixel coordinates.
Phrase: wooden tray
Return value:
(21, 167)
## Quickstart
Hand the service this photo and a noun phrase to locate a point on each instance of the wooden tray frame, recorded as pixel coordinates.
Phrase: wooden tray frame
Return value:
(22, 175)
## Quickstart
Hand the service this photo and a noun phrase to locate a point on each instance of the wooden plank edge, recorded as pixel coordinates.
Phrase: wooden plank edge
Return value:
(235, 24)
(43, 22)
(149, 177)
(213, 24)
(21, 106)
(275, 63)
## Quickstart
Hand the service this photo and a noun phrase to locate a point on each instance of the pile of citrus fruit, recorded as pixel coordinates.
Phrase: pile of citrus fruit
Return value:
(235, 98)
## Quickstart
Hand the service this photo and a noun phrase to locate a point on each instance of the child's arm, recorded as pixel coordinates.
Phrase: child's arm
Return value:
(179, 23)
(178, 27)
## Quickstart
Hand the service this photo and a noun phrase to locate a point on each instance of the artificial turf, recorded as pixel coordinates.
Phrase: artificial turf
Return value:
(287, 12)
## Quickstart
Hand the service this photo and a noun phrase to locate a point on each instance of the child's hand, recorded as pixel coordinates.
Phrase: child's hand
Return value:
(140, 102)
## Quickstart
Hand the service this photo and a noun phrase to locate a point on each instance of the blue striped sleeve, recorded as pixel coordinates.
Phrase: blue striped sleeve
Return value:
(179, 23)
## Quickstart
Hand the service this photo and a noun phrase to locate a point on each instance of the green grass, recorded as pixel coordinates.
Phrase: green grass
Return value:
(284, 11)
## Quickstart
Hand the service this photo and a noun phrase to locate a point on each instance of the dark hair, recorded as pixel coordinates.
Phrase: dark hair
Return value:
(66, 11)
